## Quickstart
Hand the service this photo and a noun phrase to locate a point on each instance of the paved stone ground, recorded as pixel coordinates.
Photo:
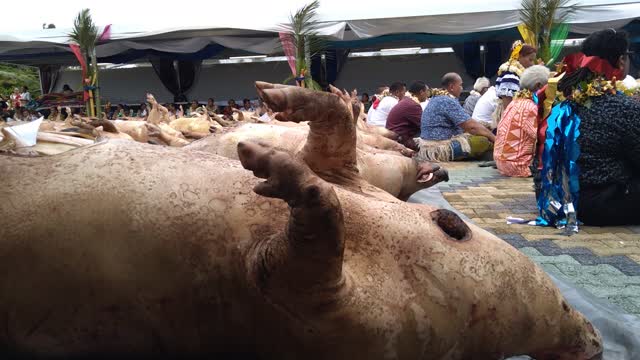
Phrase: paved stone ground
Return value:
(603, 260)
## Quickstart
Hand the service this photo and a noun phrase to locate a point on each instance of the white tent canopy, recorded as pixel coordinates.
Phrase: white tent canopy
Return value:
(255, 27)
(366, 19)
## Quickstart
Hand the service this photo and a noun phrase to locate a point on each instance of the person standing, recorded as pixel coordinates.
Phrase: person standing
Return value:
(508, 81)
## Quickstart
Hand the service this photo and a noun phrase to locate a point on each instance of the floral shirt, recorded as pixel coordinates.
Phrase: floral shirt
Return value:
(441, 119)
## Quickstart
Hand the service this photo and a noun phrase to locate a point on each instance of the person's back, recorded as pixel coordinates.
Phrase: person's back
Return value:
(604, 187)
(397, 91)
(379, 116)
(480, 87)
(486, 105)
(470, 103)
(25, 97)
(609, 140)
(441, 118)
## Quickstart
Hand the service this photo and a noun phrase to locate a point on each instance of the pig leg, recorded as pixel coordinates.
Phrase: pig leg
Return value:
(309, 254)
(330, 149)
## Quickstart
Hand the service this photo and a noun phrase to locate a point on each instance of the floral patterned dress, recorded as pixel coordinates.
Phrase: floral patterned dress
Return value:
(514, 147)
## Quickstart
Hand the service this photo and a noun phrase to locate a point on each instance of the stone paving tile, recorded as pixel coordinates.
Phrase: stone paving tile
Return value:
(603, 260)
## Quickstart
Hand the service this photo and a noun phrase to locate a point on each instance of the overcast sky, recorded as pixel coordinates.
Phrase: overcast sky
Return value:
(30, 15)
(141, 14)
(146, 15)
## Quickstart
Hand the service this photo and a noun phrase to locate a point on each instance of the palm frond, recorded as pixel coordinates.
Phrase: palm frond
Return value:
(542, 17)
(531, 15)
(305, 39)
(304, 21)
(558, 11)
(85, 32)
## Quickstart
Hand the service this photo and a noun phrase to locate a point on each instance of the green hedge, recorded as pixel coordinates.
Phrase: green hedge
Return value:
(12, 76)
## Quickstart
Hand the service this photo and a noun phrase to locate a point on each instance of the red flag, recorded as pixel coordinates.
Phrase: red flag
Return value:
(289, 50)
(106, 33)
(83, 64)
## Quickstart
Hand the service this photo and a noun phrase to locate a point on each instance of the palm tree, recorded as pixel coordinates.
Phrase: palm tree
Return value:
(306, 42)
(85, 34)
(546, 21)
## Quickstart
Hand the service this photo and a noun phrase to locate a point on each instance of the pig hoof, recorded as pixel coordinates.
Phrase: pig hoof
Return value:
(451, 224)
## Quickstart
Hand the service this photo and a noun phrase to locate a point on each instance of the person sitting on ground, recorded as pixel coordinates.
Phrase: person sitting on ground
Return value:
(592, 140)
(424, 104)
(66, 90)
(175, 112)
(263, 113)
(54, 114)
(444, 124)
(64, 113)
(396, 93)
(30, 115)
(15, 100)
(246, 106)
(108, 110)
(508, 81)
(25, 96)
(404, 119)
(228, 110)
(212, 108)
(17, 114)
(5, 114)
(486, 107)
(142, 112)
(193, 107)
(171, 108)
(516, 136)
(366, 101)
(121, 111)
(479, 88)
(381, 92)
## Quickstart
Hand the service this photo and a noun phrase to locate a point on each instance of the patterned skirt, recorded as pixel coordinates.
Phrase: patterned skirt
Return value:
(516, 138)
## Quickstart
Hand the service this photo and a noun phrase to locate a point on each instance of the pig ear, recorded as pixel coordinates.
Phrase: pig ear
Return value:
(311, 251)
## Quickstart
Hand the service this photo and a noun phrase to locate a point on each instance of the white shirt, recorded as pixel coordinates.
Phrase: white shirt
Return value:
(379, 116)
(265, 117)
(485, 106)
(25, 96)
(629, 82)
(424, 104)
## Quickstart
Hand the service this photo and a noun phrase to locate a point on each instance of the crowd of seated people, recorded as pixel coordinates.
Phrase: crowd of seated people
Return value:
(588, 167)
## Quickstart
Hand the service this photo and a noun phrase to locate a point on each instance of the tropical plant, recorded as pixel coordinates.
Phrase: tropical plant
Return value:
(546, 20)
(85, 35)
(305, 42)
(17, 76)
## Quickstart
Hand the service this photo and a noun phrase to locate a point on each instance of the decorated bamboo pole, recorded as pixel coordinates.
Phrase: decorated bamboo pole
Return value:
(96, 90)
(88, 103)
(302, 43)
(83, 38)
